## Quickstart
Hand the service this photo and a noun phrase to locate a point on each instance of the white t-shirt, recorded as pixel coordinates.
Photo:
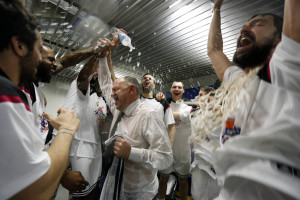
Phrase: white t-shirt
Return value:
(271, 135)
(23, 160)
(182, 149)
(166, 116)
(91, 110)
(38, 108)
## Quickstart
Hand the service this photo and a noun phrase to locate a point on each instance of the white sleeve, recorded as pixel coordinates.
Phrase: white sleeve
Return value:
(231, 73)
(159, 154)
(285, 65)
(168, 117)
(71, 96)
(185, 114)
(23, 160)
(106, 83)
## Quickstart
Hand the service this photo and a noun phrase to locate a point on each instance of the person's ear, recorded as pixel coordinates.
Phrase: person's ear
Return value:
(18, 47)
(132, 88)
(276, 41)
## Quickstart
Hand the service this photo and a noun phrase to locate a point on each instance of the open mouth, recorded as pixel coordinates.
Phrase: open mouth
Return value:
(245, 41)
(116, 100)
(177, 94)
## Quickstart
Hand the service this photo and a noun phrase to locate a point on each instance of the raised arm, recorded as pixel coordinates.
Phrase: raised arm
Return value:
(110, 66)
(284, 65)
(291, 15)
(215, 52)
(73, 58)
(78, 56)
(83, 77)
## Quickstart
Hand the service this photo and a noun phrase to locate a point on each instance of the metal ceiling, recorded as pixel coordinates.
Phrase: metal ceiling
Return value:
(170, 36)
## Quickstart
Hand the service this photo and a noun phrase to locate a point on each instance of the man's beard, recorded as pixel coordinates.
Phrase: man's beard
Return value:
(255, 56)
(147, 90)
(43, 73)
(28, 68)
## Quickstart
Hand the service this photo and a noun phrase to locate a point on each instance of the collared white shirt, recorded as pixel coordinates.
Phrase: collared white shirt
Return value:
(146, 133)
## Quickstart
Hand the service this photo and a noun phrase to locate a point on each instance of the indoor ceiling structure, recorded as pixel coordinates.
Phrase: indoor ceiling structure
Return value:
(169, 36)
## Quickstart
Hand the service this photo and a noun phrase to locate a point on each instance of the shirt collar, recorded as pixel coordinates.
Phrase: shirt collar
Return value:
(181, 100)
(145, 97)
(131, 107)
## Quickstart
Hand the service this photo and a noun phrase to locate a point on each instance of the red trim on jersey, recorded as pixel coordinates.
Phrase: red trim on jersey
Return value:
(191, 110)
(13, 99)
(26, 90)
(168, 107)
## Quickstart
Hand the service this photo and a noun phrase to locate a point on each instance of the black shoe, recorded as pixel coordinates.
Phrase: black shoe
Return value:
(170, 197)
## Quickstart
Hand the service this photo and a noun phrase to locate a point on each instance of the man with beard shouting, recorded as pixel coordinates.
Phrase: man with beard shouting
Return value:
(262, 161)
(255, 46)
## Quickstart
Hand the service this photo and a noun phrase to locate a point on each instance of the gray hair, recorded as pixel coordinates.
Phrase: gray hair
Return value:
(134, 81)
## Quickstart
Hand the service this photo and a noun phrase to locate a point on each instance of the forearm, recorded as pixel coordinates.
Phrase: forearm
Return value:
(45, 186)
(291, 15)
(105, 82)
(111, 69)
(215, 46)
(151, 159)
(172, 134)
(74, 58)
(89, 68)
(215, 40)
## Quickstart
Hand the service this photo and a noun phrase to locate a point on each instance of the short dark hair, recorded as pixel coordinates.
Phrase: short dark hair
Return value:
(134, 81)
(15, 20)
(207, 89)
(178, 82)
(278, 22)
(150, 75)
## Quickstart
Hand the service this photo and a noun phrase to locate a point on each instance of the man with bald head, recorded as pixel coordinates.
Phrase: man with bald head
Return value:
(143, 142)
(46, 69)
(72, 180)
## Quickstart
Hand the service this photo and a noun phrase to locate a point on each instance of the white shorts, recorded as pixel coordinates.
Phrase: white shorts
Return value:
(182, 161)
(90, 169)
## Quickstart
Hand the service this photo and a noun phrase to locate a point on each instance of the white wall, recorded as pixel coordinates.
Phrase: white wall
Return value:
(55, 93)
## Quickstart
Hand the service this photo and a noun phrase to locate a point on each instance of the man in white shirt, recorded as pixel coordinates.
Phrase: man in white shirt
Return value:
(84, 98)
(267, 145)
(145, 146)
(71, 179)
(162, 107)
(181, 149)
(26, 171)
(255, 46)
